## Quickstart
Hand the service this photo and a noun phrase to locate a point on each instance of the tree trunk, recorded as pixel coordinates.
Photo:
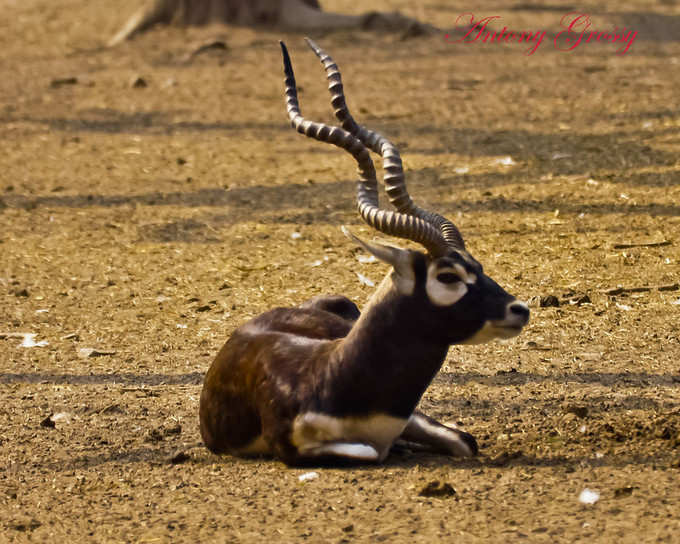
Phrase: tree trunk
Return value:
(301, 15)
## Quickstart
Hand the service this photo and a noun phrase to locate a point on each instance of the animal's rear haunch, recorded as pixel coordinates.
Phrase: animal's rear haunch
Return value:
(323, 382)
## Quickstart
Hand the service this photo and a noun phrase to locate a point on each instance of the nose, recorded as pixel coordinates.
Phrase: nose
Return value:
(518, 312)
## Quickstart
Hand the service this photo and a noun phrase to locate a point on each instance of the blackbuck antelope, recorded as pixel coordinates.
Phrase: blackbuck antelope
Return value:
(323, 382)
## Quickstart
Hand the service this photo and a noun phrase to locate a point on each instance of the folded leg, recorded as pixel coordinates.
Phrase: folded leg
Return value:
(424, 430)
(350, 451)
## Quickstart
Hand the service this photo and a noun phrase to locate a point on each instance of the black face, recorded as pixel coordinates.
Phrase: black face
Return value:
(461, 304)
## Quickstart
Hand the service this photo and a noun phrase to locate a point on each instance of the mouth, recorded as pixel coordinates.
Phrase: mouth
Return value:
(503, 332)
(495, 330)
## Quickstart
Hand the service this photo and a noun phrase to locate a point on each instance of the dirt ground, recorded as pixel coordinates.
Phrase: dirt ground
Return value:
(148, 203)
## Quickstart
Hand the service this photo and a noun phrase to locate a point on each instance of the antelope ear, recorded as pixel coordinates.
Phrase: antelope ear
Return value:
(400, 259)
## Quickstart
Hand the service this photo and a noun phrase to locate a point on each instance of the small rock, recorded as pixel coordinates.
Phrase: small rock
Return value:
(624, 491)
(29, 341)
(533, 302)
(179, 457)
(216, 45)
(580, 300)
(138, 82)
(154, 435)
(588, 496)
(308, 476)
(504, 161)
(205, 308)
(84, 353)
(505, 458)
(61, 416)
(549, 301)
(175, 429)
(112, 409)
(437, 489)
(48, 422)
(364, 280)
(579, 411)
(666, 433)
(366, 259)
(24, 525)
(21, 293)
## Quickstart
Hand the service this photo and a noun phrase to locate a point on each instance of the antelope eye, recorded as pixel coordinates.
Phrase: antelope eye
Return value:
(448, 277)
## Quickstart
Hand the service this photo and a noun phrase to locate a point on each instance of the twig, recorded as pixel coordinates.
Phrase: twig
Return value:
(621, 290)
(648, 244)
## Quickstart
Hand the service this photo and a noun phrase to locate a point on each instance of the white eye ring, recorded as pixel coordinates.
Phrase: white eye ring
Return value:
(468, 278)
(443, 293)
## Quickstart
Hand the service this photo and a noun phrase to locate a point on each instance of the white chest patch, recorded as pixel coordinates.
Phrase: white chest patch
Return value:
(493, 330)
(315, 432)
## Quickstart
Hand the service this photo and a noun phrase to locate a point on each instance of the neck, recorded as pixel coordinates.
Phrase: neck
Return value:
(384, 289)
(386, 359)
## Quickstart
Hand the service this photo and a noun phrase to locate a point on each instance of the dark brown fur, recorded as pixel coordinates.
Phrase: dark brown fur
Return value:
(246, 370)
(290, 361)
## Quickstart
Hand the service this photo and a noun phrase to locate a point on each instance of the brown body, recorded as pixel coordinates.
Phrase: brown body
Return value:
(257, 385)
(364, 377)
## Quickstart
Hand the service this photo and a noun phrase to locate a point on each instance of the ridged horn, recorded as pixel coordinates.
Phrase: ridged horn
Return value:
(387, 221)
(395, 183)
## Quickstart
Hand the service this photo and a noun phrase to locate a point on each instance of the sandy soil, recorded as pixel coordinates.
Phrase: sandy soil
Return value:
(145, 222)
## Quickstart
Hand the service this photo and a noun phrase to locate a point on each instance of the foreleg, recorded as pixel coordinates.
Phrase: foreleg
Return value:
(424, 430)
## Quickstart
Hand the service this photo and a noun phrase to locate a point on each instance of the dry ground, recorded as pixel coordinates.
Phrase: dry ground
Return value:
(147, 222)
